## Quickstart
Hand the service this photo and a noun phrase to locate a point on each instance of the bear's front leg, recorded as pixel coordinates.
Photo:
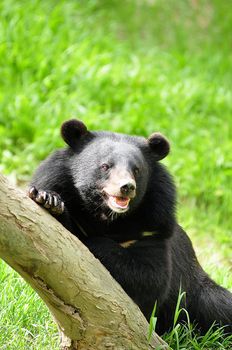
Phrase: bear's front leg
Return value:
(48, 199)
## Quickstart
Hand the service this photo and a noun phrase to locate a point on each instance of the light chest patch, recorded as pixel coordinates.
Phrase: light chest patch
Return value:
(127, 244)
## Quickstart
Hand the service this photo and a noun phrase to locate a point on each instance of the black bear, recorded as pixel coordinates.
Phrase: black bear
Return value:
(110, 190)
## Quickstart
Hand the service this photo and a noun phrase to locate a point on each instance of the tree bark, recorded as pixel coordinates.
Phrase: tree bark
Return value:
(91, 309)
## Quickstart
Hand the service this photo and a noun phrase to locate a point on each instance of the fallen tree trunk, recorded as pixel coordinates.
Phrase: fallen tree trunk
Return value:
(90, 307)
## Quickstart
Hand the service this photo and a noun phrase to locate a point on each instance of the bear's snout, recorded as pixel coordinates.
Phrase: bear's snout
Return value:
(120, 184)
(119, 189)
(128, 188)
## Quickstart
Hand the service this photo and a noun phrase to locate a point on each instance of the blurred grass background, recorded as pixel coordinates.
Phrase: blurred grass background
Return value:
(133, 66)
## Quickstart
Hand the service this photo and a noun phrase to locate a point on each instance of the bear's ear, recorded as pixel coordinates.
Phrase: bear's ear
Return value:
(72, 131)
(159, 145)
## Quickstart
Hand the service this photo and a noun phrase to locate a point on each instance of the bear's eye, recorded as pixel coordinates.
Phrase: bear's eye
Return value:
(136, 170)
(105, 167)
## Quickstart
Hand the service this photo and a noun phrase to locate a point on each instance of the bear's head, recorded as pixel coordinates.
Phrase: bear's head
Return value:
(111, 171)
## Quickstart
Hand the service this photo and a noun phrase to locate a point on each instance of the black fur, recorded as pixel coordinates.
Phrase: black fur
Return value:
(156, 265)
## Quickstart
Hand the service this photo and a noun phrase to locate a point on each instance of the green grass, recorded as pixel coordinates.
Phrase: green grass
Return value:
(185, 336)
(128, 66)
(25, 322)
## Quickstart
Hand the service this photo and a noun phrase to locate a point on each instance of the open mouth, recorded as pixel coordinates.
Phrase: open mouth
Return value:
(118, 204)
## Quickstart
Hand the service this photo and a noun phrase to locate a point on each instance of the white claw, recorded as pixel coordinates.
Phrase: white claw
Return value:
(62, 207)
(55, 201)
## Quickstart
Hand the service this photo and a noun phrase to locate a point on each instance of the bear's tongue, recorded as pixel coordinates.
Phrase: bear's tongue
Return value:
(120, 202)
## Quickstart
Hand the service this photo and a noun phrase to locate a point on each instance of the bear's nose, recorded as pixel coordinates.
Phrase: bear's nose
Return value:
(128, 188)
